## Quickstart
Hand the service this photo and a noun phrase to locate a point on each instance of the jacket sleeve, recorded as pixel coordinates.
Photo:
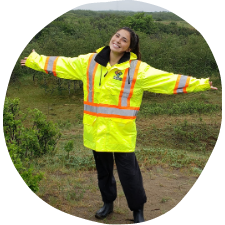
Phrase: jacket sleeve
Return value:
(63, 67)
(158, 81)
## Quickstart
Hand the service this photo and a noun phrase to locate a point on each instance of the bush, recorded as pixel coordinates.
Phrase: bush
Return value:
(38, 138)
(27, 173)
(24, 143)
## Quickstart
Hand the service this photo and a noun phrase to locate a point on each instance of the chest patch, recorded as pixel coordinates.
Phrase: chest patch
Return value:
(117, 76)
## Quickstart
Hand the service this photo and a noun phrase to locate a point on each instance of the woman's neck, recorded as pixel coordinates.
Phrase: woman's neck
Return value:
(114, 58)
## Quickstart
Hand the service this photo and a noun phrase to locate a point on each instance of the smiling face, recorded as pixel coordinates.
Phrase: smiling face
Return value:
(120, 42)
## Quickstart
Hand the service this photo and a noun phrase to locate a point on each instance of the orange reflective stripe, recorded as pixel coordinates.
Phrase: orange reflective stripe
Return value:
(46, 65)
(186, 85)
(181, 84)
(50, 65)
(89, 62)
(91, 71)
(93, 81)
(110, 111)
(122, 87)
(109, 115)
(54, 66)
(176, 85)
(133, 82)
(111, 106)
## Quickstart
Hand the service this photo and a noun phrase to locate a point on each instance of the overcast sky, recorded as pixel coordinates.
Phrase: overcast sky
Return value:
(124, 5)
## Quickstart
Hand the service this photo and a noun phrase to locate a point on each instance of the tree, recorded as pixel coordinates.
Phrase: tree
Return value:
(141, 22)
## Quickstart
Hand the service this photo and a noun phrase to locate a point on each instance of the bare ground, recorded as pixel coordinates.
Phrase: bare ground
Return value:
(164, 188)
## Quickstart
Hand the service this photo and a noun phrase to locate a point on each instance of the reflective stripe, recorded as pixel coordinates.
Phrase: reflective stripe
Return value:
(46, 64)
(133, 81)
(110, 111)
(186, 85)
(50, 65)
(109, 115)
(129, 81)
(91, 75)
(122, 94)
(110, 106)
(181, 84)
(127, 86)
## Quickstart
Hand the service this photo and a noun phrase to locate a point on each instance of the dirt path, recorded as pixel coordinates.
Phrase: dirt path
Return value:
(164, 189)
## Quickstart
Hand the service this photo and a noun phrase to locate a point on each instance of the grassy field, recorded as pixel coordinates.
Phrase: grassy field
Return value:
(176, 134)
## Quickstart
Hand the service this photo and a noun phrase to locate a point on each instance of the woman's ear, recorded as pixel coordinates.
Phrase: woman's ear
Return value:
(128, 50)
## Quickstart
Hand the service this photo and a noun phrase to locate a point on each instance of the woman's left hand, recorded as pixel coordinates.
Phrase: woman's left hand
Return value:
(23, 61)
(214, 88)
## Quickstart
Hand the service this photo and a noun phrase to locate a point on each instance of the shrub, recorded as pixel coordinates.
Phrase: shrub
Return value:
(39, 138)
(23, 143)
(69, 146)
(27, 173)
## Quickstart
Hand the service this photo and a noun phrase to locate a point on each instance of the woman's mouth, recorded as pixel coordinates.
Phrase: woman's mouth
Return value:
(116, 46)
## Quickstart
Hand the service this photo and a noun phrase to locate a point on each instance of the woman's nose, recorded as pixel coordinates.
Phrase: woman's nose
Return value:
(118, 40)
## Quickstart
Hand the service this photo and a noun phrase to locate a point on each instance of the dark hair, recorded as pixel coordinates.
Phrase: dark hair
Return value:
(134, 41)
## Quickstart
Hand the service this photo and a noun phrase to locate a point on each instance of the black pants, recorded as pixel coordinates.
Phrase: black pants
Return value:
(129, 175)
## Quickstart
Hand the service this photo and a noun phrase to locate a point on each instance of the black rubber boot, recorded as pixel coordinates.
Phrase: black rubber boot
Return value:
(138, 216)
(106, 209)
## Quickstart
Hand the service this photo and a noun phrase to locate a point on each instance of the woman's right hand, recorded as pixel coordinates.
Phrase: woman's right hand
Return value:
(23, 61)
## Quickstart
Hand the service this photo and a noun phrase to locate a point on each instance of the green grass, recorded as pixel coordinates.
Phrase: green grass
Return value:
(197, 136)
(165, 199)
(59, 107)
(172, 158)
(178, 108)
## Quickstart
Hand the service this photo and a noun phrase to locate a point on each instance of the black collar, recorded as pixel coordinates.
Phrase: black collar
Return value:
(103, 56)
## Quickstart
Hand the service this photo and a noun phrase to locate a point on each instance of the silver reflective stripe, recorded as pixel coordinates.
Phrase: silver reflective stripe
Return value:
(90, 74)
(182, 83)
(51, 63)
(110, 111)
(127, 86)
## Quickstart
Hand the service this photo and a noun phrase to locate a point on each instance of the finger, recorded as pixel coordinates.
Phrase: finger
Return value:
(22, 62)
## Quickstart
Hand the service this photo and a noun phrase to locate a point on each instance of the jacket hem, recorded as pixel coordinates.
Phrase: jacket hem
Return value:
(114, 150)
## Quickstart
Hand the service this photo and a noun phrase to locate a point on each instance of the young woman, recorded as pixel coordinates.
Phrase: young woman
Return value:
(114, 80)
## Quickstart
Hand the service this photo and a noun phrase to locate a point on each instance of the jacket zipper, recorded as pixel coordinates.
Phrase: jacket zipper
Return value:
(100, 82)
(128, 76)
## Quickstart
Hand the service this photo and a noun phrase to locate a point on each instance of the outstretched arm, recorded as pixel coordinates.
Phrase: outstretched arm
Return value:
(159, 81)
(63, 67)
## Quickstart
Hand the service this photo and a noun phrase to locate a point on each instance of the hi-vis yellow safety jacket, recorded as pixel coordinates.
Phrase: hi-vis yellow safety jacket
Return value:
(113, 94)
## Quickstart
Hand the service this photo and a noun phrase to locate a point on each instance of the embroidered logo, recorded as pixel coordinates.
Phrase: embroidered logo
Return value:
(118, 74)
